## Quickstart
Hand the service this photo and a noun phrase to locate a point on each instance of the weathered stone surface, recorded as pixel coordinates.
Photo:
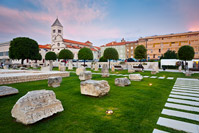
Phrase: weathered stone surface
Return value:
(188, 73)
(54, 81)
(156, 68)
(6, 90)
(96, 88)
(80, 69)
(62, 68)
(105, 75)
(96, 67)
(47, 68)
(105, 68)
(122, 82)
(70, 65)
(6, 67)
(36, 105)
(86, 75)
(113, 68)
(130, 69)
(135, 77)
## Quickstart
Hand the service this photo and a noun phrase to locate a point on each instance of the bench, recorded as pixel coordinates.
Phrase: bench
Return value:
(138, 69)
(118, 67)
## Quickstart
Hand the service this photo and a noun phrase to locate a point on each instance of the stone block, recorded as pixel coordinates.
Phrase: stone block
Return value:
(80, 69)
(135, 77)
(122, 82)
(62, 68)
(86, 75)
(96, 88)
(131, 70)
(6, 90)
(188, 73)
(153, 72)
(47, 68)
(36, 105)
(113, 69)
(105, 75)
(54, 81)
(96, 67)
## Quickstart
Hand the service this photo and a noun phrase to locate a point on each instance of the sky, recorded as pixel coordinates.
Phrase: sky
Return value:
(99, 21)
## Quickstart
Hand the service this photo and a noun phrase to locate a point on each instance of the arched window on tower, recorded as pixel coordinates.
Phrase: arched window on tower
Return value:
(59, 31)
(58, 44)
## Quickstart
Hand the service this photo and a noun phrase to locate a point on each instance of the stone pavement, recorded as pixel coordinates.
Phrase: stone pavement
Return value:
(183, 102)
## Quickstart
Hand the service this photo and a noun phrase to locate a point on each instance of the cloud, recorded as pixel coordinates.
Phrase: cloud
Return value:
(80, 19)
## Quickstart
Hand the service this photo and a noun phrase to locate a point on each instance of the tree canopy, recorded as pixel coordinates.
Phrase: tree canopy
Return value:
(23, 48)
(50, 56)
(102, 59)
(38, 57)
(140, 52)
(186, 53)
(65, 54)
(111, 53)
(85, 54)
(170, 55)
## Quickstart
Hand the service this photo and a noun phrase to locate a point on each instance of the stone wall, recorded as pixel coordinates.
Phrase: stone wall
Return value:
(27, 78)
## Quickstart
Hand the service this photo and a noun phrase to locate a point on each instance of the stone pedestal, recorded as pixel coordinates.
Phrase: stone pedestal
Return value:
(70, 65)
(62, 68)
(96, 67)
(135, 77)
(122, 82)
(95, 88)
(180, 68)
(86, 75)
(113, 69)
(54, 81)
(80, 69)
(6, 90)
(105, 68)
(36, 105)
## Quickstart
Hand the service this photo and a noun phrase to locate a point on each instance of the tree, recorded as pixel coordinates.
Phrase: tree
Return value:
(50, 56)
(85, 54)
(65, 54)
(111, 54)
(186, 53)
(170, 55)
(23, 48)
(37, 57)
(140, 52)
(102, 59)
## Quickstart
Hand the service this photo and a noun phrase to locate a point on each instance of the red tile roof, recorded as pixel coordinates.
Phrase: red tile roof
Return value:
(93, 49)
(47, 46)
(68, 46)
(88, 42)
(75, 42)
(76, 47)
(97, 47)
(118, 43)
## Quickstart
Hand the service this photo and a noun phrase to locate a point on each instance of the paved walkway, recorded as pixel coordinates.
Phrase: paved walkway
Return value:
(183, 102)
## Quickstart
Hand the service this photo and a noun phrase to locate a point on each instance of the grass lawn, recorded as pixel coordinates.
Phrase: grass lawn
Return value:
(136, 107)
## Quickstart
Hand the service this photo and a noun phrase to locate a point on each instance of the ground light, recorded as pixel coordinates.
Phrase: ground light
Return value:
(109, 112)
(150, 84)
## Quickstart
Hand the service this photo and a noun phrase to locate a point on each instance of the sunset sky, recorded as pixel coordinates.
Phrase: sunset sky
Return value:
(99, 21)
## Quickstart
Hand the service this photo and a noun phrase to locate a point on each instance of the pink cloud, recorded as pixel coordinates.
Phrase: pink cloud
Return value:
(77, 18)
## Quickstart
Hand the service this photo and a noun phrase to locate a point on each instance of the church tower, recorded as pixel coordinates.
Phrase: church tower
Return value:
(57, 36)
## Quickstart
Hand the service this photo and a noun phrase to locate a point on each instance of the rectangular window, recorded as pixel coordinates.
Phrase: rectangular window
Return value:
(159, 50)
(53, 31)
(154, 56)
(6, 53)
(1, 53)
(59, 31)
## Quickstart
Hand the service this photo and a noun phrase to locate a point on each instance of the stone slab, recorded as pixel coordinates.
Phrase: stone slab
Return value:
(184, 97)
(153, 77)
(170, 78)
(194, 89)
(161, 77)
(145, 76)
(178, 125)
(182, 107)
(6, 90)
(186, 91)
(181, 114)
(186, 94)
(183, 101)
(159, 131)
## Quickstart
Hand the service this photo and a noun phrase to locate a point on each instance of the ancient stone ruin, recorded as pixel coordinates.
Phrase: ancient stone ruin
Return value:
(122, 82)
(135, 77)
(80, 69)
(36, 105)
(6, 90)
(96, 88)
(105, 71)
(86, 75)
(54, 81)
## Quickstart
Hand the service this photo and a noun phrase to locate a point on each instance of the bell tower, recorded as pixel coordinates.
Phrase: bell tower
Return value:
(57, 36)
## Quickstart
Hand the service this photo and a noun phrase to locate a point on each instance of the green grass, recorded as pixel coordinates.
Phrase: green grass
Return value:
(136, 107)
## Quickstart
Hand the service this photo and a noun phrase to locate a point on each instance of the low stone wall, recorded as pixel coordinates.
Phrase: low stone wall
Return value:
(27, 78)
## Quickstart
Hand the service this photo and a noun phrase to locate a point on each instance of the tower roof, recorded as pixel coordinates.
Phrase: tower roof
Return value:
(57, 23)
